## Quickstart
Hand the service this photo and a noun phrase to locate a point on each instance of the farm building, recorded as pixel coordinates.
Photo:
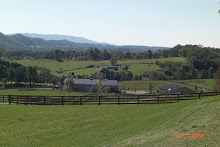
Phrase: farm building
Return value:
(59, 72)
(89, 85)
(113, 67)
(172, 88)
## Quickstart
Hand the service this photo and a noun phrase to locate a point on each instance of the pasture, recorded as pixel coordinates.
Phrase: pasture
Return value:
(206, 83)
(47, 93)
(111, 125)
(143, 85)
(137, 67)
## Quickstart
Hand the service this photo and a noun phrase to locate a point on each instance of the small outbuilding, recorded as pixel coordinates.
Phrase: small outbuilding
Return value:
(113, 67)
(59, 72)
(172, 88)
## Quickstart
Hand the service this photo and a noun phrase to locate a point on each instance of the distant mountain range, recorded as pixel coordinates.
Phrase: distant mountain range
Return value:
(60, 37)
(41, 42)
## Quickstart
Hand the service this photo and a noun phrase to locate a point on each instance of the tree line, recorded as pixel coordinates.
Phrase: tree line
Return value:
(202, 62)
(14, 72)
(192, 52)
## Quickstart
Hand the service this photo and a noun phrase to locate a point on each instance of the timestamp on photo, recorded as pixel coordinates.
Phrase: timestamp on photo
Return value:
(189, 135)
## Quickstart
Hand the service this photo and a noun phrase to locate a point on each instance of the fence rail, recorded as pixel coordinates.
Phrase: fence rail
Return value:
(3, 98)
(98, 100)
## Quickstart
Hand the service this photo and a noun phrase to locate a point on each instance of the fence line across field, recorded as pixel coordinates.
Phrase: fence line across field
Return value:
(99, 99)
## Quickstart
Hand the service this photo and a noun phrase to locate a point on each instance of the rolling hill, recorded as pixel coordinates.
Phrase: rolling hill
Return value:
(21, 42)
(59, 37)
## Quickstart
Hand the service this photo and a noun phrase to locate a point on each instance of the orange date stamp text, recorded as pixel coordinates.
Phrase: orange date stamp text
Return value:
(189, 135)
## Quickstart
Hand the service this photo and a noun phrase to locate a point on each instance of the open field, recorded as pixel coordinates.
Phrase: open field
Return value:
(145, 61)
(143, 85)
(80, 67)
(47, 93)
(206, 83)
(111, 125)
(138, 69)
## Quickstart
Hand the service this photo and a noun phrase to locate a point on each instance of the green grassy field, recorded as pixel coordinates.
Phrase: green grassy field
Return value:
(206, 83)
(138, 69)
(111, 125)
(174, 59)
(79, 67)
(142, 85)
(47, 93)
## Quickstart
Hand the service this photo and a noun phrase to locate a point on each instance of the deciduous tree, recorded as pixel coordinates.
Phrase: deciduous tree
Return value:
(113, 60)
(69, 84)
(150, 87)
(217, 76)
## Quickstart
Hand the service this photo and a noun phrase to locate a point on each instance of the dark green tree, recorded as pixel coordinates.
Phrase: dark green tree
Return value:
(99, 85)
(57, 54)
(150, 87)
(20, 74)
(150, 54)
(1, 54)
(31, 75)
(113, 60)
(11, 75)
(211, 72)
(3, 71)
(126, 67)
(69, 84)
(217, 77)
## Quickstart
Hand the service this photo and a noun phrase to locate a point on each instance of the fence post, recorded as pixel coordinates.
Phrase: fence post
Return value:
(62, 100)
(31, 99)
(44, 100)
(158, 98)
(3, 98)
(138, 99)
(177, 97)
(99, 100)
(80, 100)
(26, 100)
(199, 94)
(17, 99)
(118, 99)
(9, 99)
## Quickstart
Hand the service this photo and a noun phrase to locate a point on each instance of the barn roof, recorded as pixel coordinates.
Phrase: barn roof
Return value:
(94, 82)
(171, 87)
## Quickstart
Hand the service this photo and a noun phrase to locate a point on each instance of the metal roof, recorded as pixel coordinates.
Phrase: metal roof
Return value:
(94, 82)
(171, 87)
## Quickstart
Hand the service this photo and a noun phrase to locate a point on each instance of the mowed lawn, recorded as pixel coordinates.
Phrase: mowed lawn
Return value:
(46, 93)
(80, 67)
(111, 125)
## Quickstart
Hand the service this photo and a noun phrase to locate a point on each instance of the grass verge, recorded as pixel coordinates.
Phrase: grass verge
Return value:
(111, 125)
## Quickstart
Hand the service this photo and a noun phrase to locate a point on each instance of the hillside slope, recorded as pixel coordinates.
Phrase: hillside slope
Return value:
(60, 37)
(111, 125)
(19, 41)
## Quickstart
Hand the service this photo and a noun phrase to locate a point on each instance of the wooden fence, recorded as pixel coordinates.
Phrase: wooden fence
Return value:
(3, 98)
(98, 100)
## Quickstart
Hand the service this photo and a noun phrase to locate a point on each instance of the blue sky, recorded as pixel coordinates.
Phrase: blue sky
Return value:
(122, 22)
